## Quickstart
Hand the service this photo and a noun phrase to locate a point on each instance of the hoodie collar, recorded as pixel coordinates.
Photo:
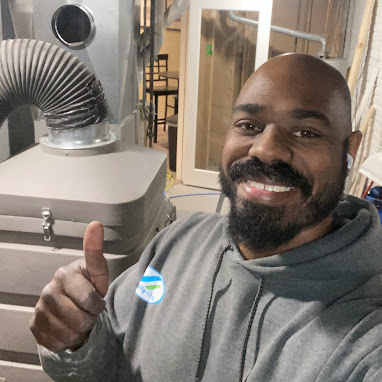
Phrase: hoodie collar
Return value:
(352, 249)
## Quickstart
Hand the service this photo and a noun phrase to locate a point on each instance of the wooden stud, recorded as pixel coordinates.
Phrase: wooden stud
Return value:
(360, 48)
(369, 116)
(360, 179)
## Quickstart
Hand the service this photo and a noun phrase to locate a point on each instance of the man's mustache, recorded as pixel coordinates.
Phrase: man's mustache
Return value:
(279, 172)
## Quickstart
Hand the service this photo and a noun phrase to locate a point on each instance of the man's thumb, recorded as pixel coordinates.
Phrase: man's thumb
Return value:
(95, 261)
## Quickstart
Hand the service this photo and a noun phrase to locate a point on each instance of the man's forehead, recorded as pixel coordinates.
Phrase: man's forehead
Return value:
(300, 82)
(296, 71)
(282, 93)
(285, 82)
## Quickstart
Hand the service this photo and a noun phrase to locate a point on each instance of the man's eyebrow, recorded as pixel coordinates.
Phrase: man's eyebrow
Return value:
(251, 108)
(305, 114)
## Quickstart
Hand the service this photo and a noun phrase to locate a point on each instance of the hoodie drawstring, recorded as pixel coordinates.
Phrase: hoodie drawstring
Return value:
(217, 269)
(249, 327)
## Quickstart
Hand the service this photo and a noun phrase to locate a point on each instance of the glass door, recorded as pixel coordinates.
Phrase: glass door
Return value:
(223, 51)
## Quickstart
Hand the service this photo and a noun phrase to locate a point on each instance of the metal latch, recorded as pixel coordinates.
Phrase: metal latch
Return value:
(47, 225)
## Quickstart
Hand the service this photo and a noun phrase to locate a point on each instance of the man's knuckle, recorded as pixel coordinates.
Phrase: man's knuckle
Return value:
(85, 324)
(39, 312)
(85, 298)
(61, 273)
(39, 338)
(42, 341)
(58, 348)
(47, 292)
(33, 326)
(72, 339)
(82, 325)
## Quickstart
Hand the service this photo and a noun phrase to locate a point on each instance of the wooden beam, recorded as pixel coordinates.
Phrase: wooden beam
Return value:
(365, 123)
(361, 44)
(360, 179)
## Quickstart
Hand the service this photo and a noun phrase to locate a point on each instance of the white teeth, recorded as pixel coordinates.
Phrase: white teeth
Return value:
(259, 186)
(267, 187)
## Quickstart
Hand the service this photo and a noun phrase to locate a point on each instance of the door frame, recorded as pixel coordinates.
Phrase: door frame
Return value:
(191, 58)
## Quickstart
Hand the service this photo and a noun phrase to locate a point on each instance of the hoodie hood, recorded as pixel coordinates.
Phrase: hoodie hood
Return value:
(345, 258)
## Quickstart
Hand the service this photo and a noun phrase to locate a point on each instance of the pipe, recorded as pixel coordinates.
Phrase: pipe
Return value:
(44, 75)
(287, 31)
(163, 19)
(174, 12)
(158, 24)
(327, 21)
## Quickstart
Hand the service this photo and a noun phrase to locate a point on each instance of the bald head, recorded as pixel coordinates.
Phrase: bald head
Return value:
(307, 80)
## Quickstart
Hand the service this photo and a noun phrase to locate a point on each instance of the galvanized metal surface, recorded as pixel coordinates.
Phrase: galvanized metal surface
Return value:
(112, 53)
(86, 137)
(22, 17)
(20, 372)
(123, 189)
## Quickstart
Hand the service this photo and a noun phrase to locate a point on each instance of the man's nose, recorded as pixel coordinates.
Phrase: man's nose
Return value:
(271, 145)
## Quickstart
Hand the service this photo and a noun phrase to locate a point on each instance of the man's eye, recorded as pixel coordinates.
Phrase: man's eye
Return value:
(248, 126)
(305, 134)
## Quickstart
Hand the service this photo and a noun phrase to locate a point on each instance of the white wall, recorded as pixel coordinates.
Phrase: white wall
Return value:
(4, 142)
(372, 61)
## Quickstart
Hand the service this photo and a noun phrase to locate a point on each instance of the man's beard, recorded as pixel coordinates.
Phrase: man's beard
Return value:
(264, 227)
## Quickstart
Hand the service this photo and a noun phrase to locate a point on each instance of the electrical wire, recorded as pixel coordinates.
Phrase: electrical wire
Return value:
(367, 190)
(199, 194)
(170, 178)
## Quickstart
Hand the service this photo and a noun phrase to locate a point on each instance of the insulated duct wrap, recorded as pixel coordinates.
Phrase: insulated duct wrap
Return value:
(42, 74)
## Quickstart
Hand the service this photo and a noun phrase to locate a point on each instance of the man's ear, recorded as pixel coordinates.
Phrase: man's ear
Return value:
(355, 139)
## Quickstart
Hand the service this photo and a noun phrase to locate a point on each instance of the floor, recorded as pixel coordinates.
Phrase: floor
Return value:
(188, 199)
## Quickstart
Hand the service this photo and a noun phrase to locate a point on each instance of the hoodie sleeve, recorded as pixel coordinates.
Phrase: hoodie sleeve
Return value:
(102, 358)
(99, 359)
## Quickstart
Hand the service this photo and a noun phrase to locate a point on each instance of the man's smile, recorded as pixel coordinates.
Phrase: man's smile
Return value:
(263, 193)
(271, 183)
(269, 187)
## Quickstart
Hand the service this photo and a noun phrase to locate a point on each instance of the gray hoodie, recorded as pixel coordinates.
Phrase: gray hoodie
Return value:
(193, 310)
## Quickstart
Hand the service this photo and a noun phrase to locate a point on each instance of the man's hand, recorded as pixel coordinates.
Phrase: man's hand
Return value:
(70, 304)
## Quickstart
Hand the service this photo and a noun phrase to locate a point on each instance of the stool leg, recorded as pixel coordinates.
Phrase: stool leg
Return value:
(156, 121)
(176, 105)
(165, 115)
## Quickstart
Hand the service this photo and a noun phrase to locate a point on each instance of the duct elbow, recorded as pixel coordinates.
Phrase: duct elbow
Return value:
(174, 12)
(49, 77)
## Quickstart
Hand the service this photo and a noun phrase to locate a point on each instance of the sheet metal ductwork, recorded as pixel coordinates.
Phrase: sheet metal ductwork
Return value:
(49, 77)
(49, 193)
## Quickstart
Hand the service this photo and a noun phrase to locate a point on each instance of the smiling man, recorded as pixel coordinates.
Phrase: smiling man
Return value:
(288, 287)
(285, 157)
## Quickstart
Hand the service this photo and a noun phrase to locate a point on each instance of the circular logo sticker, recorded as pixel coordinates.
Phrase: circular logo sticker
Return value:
(151, 287)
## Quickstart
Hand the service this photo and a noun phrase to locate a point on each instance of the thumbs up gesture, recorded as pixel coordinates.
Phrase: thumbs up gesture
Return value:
(70, 304)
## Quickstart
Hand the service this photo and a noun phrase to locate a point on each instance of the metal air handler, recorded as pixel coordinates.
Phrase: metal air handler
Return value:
(88, 167)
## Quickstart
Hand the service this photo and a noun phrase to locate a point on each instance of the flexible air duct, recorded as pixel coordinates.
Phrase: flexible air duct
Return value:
(44, 75)
(174, 12)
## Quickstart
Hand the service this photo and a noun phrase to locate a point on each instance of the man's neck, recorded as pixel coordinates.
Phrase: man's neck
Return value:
(310, 234)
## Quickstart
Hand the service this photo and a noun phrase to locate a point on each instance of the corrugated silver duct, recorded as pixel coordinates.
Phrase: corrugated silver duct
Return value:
(49, 77)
